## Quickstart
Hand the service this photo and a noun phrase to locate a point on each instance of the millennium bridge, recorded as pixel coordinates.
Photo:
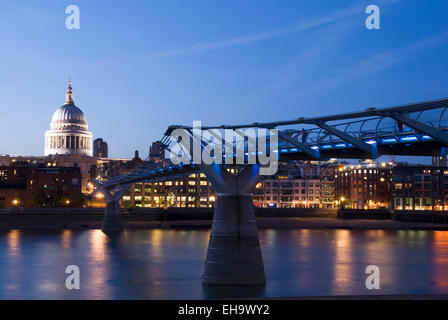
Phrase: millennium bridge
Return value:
(234, 254)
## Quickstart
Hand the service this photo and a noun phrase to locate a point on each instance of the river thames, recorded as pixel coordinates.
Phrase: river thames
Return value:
(168, 264)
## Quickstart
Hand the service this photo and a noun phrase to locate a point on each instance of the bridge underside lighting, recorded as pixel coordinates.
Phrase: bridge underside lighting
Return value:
(389, 141)
(409, 138)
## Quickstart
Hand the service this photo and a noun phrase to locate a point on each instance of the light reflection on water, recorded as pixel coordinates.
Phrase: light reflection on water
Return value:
(167, 264)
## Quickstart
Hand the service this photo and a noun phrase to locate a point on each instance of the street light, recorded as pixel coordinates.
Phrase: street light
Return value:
(342, 202)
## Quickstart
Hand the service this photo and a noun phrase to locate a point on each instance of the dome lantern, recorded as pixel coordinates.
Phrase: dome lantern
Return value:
(69, 95)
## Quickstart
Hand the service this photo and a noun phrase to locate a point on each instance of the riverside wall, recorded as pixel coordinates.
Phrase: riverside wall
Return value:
(93, 217)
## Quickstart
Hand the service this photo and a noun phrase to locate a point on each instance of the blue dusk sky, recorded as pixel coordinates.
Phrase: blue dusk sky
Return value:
(139, 66)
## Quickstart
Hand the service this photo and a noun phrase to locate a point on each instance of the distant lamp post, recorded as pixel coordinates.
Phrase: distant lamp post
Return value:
(342, 202)
(67, 202)
(15, 202)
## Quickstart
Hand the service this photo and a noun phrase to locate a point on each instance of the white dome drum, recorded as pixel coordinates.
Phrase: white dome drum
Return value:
(68, 132)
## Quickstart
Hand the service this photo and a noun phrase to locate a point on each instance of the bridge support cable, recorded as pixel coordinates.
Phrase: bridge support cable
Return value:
(234, 253)
(367, 148)
(112, 221)
(305, 148)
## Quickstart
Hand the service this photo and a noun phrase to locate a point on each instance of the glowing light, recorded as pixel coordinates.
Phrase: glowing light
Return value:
(389, 140)
(410, 138)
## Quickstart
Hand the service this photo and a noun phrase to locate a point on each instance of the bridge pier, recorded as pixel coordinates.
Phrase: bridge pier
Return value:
(234, 254)
(112, 221)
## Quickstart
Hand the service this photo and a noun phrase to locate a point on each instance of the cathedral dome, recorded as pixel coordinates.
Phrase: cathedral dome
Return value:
(68, 132)
(68, 114)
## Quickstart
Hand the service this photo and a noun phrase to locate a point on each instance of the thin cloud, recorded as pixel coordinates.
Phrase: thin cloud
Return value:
(325, 41)
(308, 24)
(379, 62)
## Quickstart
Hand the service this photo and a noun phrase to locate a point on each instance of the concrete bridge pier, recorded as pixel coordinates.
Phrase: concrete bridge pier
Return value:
(234, 253)
(112, 221)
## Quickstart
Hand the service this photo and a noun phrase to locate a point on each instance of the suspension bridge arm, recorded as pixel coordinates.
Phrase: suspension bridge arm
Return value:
(434, 133)
(367, 148)
(305, 148)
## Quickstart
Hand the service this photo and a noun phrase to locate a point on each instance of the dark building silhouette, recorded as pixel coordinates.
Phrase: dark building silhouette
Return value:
(157, 152)
(100, 148)
(32, 185)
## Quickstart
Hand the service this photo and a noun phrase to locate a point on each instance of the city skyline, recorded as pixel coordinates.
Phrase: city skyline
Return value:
(324, 57)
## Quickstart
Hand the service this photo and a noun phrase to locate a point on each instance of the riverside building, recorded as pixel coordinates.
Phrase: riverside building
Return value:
(419, 188)
(363, 186)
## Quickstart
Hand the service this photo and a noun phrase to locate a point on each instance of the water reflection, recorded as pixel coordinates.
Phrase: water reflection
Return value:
(440, 261)
(13, 243)
(343, 273)
(168, 264)
(66, 239)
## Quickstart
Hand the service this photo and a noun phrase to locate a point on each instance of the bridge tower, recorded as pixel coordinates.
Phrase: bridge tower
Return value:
(234, 254)
(112, 221)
